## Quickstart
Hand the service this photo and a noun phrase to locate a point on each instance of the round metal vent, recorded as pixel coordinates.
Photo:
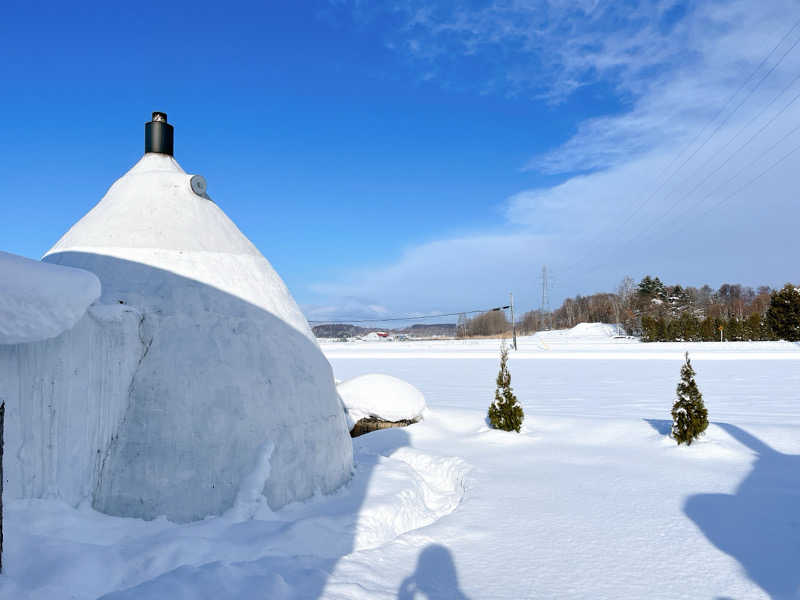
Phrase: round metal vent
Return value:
(198, 185)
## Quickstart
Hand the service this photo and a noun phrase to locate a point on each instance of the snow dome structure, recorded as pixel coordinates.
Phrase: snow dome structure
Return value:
(195, 366)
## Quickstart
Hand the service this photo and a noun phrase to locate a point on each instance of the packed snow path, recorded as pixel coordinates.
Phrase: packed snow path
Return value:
(590, 500)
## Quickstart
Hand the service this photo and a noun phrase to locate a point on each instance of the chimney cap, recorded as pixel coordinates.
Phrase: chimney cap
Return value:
(158, 135)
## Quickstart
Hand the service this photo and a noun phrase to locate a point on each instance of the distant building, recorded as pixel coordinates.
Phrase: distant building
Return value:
(375, 336)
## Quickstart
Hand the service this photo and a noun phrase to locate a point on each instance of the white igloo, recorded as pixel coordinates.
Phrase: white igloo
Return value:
(193, 368)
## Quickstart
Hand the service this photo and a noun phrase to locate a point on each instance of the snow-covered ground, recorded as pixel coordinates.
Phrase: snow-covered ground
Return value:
(591, 500)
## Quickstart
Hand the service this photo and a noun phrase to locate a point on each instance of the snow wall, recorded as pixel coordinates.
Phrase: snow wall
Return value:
(223, 362)
(65, 398)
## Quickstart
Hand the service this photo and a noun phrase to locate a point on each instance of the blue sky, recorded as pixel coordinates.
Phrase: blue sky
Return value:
(416, 158)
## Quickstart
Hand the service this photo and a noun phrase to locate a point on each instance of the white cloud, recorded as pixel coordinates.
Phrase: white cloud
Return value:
(634, 207)
(346, 306)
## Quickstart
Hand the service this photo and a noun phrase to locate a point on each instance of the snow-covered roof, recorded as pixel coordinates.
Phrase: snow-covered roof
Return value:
(151, 216)
(153, 206)
(39, 300)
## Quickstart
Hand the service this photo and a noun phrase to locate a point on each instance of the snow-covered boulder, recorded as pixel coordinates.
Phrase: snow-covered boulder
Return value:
(40, 301)
(222, 364)
(381, 397)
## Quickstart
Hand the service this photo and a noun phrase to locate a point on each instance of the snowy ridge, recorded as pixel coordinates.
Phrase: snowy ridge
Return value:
(408, 490)
(40, 301)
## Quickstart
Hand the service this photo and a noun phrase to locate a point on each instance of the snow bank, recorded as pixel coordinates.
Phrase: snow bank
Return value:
(381, 396)
(39, 301)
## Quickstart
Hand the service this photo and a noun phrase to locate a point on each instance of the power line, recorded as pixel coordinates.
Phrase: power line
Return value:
(738, 191)
(716, 130)
(725, 162)
(753, 180)
(414, 318)
(712, 193)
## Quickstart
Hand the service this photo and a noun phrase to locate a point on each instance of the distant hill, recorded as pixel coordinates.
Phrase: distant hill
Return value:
(430, 329)
(338, 330)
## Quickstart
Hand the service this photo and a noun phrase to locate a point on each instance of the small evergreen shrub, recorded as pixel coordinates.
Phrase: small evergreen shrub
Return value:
(505, 412)
(689, 414)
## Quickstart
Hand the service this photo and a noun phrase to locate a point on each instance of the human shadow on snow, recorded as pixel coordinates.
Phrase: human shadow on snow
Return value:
(759, 525)
(435, 577)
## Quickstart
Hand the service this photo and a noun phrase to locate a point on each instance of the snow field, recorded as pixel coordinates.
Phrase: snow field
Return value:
(591, 500)
(597, 341)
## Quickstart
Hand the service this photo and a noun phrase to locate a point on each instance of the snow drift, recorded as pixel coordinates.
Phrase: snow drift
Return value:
(161, 400)
(594, 331)
(382, 396)
(40, 301)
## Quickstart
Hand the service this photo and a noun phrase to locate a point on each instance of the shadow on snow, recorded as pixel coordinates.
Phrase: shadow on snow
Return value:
(435, 577)
(759, 525)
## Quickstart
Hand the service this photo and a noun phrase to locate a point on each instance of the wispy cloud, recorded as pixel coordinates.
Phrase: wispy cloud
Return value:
(651, 189)
(547, 48)
(346, 306)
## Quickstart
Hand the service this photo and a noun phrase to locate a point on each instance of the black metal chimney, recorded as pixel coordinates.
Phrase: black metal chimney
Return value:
(158, 134)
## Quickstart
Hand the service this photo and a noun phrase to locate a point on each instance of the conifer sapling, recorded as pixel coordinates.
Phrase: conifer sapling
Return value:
(505, 412)
(689, 414)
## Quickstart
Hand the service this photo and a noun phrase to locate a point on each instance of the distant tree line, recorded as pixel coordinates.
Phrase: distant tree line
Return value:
(663, 313)
(660, 312)
(489, 323)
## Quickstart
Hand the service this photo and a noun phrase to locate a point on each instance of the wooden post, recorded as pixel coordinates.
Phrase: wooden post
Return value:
(513, 323)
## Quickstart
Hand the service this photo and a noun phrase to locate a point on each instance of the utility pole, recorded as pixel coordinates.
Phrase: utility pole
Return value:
(545, 306)
(513, 323)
